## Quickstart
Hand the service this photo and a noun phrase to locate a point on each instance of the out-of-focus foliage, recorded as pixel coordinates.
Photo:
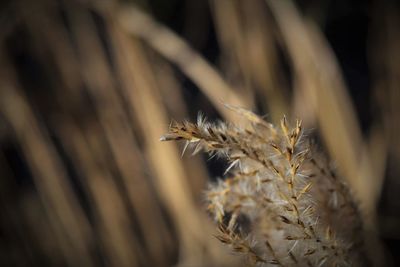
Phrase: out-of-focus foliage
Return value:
(88, 87)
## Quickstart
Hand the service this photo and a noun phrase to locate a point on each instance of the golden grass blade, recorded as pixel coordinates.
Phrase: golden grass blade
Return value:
(177, 51)
(385, 65)
(65, 215)
(114, 121)
(324, 89)
(119, 133)
(112, 220)
(247, 41)
(171, 93)
(141, 91)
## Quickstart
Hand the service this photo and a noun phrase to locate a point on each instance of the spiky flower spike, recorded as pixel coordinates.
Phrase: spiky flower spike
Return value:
(280, 204)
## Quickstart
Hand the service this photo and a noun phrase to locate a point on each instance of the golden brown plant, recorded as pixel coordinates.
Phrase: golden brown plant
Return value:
(280, 204)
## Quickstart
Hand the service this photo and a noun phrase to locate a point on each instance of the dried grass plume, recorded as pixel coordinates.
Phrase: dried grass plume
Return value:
(280, 203)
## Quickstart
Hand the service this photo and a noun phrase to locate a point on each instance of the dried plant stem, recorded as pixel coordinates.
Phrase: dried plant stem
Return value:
(245, 32)
(142, 94)
(190, 62)
(325, 89)
(66, 217)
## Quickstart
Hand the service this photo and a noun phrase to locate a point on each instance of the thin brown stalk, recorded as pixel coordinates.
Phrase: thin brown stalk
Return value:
(245, 32)
(142, 93)
(65, 215)
(179, 52)
(324, 88)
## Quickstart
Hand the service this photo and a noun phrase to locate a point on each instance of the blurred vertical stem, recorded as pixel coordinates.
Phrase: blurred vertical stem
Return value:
(318, 76)
(245, 35)
(176, 50)
(66, 217)
(140, 90)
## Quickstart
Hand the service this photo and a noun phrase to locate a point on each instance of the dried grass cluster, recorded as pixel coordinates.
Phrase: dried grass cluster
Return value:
(280, 203)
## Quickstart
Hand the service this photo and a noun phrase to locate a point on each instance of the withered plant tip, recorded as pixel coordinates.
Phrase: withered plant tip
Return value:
(279, 202)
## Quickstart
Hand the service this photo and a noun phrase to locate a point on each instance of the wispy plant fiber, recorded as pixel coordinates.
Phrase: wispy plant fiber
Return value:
(280, 204)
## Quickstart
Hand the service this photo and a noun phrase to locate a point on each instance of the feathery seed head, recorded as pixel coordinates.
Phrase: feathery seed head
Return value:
(280, 204)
